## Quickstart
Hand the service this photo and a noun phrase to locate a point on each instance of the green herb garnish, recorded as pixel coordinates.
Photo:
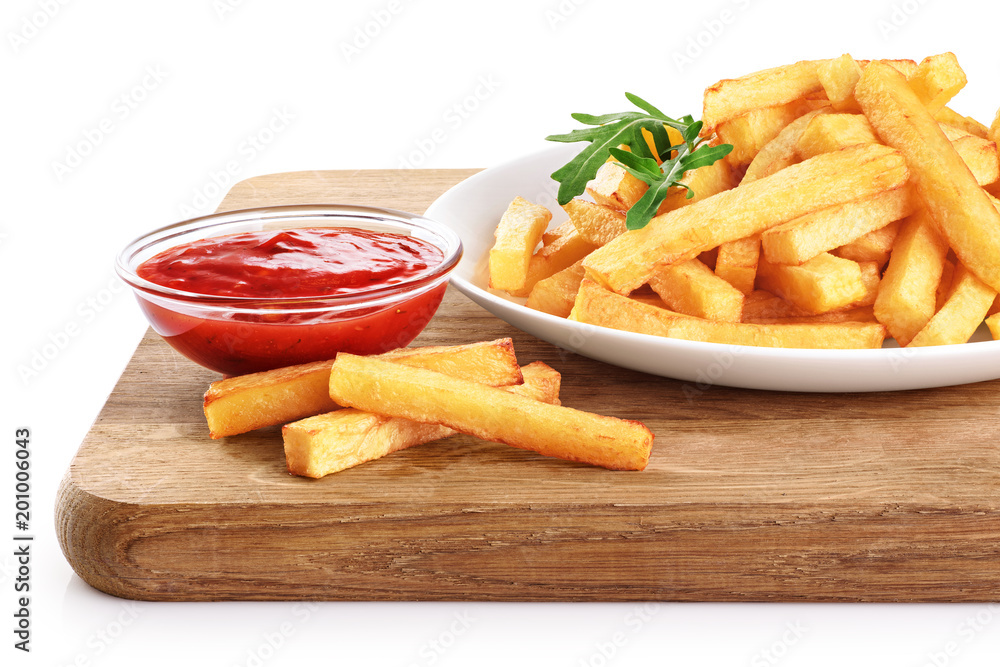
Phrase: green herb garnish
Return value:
(613, 130)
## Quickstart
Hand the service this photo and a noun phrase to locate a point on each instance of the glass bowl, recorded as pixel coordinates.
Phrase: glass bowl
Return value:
(235, 335)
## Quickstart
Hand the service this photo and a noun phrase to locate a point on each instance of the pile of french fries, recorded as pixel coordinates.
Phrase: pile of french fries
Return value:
(855, 206)
(411, 396)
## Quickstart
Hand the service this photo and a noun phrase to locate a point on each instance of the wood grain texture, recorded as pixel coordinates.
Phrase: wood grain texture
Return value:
(749, 495)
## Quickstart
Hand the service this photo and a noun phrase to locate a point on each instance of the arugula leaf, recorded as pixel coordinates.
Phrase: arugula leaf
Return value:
(609, 131)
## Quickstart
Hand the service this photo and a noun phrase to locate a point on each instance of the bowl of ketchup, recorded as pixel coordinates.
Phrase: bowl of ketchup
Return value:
(256, 289)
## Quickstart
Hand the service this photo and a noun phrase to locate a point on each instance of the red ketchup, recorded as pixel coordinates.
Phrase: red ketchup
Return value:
(306, 262)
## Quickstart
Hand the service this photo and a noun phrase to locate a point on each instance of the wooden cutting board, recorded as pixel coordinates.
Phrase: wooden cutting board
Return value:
(749, 495)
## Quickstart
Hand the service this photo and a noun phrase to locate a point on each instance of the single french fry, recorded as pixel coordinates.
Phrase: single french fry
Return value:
(906, 300)
(731, 98)
(555, 295)
(692, 289)
(825, 180)
(980, 156)
(966, 123)
(872, 247)
(596, 223)
(838, 78)
(564, 251)
(959, 206)
(761, 305)
(614, 187)
(751, 131)
(550, 236)
(905, 67)
(489, 413)
(519, 231)
(327, 443)
(782, 151)
(737, 261)
(961, 314)
(862, 314)
(802, 239)
(269, 398)
(830, 132)
(601, 307)
(822, 284)
(936, 80)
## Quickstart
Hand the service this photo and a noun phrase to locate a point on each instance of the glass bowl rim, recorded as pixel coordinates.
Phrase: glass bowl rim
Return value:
(372, 296)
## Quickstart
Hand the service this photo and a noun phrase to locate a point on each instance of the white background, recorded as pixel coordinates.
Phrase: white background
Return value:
(123, 116)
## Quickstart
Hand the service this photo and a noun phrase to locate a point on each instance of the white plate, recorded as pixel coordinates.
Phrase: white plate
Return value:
(473, 209)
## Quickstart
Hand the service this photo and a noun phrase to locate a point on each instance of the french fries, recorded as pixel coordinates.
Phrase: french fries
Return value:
(390, 411)
(519, 231)
(962, 312)
(598, 306)
(327, 443)
(959, 206)
(822, 284)
(270, 398)
(692, 288)
(374, 385)
(907, 297)
(628, 261)
(555, 295)
(864, 198)
(807, 236)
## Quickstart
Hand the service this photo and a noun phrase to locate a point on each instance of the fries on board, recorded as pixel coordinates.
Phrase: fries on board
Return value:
(389, 412)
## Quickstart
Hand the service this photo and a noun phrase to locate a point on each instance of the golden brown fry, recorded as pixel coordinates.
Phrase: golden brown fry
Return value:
(736, 262)
(731, 98)
(830, 132)
(802, 239)
(550, 236)
(751, 131)
(782, 151)
(980, 156)
(838, 78)
(822, 284)
(269, 398)
(597, 224)
(564, 251)
(936, 80)
(600, 307)
(959, 206)
(614, 187)
(555, 295)
(966, 123)
(872, 247)
(691, 288)
(906, 300)
(961, 314)
(825, 180)
(327, 443)
(489, 413)
(519, 231)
